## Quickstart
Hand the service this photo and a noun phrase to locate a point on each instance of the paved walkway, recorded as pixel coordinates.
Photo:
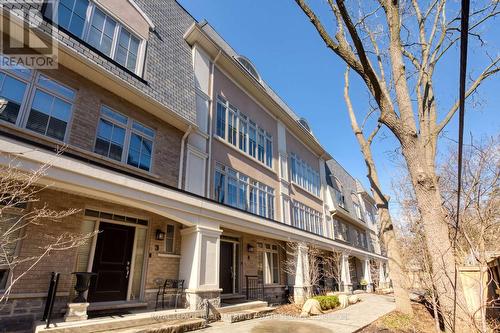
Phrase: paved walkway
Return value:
(346, 320)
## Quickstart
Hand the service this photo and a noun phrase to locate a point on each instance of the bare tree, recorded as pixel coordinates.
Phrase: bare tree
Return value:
(385, 227)
(395, 48)
(333, 266)
(19, 193)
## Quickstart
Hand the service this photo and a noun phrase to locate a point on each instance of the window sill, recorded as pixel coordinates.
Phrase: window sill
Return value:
(295, 185)
(68, 147)
(219, 139)
(168, 255)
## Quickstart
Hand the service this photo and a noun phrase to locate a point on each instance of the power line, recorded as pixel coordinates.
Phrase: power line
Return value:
(464, 34)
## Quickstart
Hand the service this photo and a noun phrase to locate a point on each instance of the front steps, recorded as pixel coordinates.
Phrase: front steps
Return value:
(245, 311)
(174, 326)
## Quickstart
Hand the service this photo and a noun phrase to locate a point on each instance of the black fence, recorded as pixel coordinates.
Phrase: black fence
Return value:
(254, 287)
(51, 297)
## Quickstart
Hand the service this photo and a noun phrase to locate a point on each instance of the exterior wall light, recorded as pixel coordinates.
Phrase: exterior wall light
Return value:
(160, 235)
(250, 248)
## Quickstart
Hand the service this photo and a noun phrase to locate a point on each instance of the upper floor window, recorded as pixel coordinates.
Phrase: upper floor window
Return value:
(36, 102)
(304, 175)
(235, 127)
(357, 209)
(117, 134)
(306, 218)
(238, 190)
(86, 20)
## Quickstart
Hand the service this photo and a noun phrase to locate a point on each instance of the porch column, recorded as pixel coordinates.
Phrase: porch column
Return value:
(367, 275)
(301, 283)
(199, 265)
(381, 276)
(345, 274)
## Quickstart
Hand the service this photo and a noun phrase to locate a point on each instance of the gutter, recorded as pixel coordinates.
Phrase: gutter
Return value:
(210, 122)
(181, 162)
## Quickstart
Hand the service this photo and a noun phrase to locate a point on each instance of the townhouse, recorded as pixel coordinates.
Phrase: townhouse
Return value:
(178, 153)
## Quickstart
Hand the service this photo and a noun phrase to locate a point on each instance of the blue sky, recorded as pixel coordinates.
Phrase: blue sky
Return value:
(290, 56)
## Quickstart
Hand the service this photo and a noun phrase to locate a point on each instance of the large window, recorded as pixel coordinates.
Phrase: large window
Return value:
(47, 110)
(269, 263)
(306, 218)
(235, 127)
(304, 175)
(238, 190)
(91, 23)
(117, 134)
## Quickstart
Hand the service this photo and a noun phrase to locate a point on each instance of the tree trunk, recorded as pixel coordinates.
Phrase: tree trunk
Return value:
(437, 235)
(396, 273)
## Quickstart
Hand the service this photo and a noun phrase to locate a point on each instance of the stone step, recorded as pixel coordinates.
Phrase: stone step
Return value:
(174, 326)
(242, 306)
(241, 315)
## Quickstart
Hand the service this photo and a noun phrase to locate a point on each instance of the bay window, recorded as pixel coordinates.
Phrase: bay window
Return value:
(47, 110)
(87, 21)
(243, 192)
(304, 175)
(117, 134)
(238, 130)
(306, 218)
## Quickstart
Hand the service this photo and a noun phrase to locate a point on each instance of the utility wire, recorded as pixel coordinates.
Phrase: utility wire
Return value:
(464, 34)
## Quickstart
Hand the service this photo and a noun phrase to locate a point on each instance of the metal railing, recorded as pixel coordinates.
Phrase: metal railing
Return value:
(51, 297)
(254, 287)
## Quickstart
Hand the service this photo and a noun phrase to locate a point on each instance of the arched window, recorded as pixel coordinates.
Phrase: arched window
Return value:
(249, 67)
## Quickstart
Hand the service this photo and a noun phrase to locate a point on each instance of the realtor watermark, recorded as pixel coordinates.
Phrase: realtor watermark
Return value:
(22, 42)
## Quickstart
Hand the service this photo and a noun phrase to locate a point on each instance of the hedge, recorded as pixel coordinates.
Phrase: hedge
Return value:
(327, 302)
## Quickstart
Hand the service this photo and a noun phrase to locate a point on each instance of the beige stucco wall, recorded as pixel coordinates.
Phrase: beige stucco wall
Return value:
(127, 14)
(231, 156)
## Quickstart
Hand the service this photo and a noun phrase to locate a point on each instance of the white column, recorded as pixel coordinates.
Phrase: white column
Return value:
(345, 274)
(381, 276)
(199, 265)
(368, 275)
(302, 283)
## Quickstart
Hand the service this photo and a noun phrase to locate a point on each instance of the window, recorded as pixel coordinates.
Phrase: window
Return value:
(71, 15)
(269, 263)
(221, 118)
(306, 218)
(235, 128)
(243, 192)
(169, 239)
(357, 209)
(243, 127)
(269, 150)
(252, 139)
(47, 111)
(117, 134)
(99, 29)
(304, 175)
(339, 197)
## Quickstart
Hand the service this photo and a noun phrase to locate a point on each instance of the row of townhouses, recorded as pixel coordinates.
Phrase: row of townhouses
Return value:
(178, 153)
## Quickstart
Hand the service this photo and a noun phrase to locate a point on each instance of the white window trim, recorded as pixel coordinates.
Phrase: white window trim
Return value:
(173, 239)
(250, 123)
(128, 134)
(261, 247)
(250, 183)
(29, 94)
(139, 66)
(302, 179)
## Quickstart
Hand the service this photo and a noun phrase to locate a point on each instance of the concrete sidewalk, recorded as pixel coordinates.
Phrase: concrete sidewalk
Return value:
(346, 320)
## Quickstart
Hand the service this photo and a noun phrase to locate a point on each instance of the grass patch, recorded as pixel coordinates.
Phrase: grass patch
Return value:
(327, 302)
(397, 321)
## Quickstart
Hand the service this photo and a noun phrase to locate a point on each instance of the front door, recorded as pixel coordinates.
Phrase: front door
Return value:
(112, 258)
(226, 274)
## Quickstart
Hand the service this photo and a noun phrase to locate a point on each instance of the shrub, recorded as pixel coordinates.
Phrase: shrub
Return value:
(327, 302)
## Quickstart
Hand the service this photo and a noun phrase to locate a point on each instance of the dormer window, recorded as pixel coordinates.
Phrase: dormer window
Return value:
(249, 67)
(100, 29)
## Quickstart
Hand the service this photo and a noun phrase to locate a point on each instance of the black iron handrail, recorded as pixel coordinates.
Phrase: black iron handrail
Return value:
(254, 287)
(51, 297)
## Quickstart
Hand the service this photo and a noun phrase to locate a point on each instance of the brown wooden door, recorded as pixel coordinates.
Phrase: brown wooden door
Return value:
(112, 259)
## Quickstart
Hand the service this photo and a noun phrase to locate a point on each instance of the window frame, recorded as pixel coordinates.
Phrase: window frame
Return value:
(304, 176)
(249, 146)
(306, 218)
(19, 213)
(26, 105)
(254, 192)
(272, 249)
(141, 54)
(166, 238)
(129, 130)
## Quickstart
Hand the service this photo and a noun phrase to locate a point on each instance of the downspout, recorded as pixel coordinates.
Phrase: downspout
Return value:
(181, 164)
(210, 123)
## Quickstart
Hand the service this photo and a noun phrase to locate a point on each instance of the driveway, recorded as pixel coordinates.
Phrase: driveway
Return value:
(346, 320)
